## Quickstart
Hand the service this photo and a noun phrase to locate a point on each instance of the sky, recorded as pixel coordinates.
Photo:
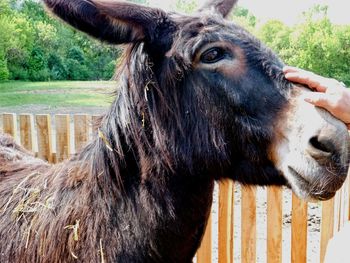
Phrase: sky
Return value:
(287, 11)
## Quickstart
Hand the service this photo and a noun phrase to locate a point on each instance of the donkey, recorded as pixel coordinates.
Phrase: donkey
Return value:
(199, 99)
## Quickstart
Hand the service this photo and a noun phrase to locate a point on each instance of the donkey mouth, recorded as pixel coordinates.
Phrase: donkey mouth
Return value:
(321, 189)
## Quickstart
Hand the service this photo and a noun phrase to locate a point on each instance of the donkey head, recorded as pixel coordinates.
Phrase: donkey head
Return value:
(201, 92)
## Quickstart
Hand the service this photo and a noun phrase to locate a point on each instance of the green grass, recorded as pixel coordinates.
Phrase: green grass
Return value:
(60, 93)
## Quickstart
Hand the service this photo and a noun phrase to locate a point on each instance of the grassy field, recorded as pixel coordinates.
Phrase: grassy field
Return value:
(60, 94)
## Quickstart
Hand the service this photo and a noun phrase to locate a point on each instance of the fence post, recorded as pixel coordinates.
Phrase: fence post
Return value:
(299, 230)
(344, 203)
(274, 224)
(248, 243)
(94, 120)
(43, 122)
(10, 124)
(62, 137)
(327, 226)
(81, 131)
(26, 131)
(226, 221)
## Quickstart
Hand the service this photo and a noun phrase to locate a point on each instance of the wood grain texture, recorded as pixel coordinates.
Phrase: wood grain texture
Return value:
(299, 230)
(10, 124)
(43, 124)
(274, 224)
(62, 137)
(327, 226)
(226, 221)
(81, 131)
(26, 131)
(94, 120)
(248, 242)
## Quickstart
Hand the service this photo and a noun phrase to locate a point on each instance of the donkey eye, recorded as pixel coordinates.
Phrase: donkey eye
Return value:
(212, 55)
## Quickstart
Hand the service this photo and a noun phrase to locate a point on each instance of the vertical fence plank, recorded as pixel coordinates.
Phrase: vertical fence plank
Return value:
(274, 224)
(62, 137)
(248, 242)
(26, 131)
(43, 123)
(344, 203)
(337, 209)
(94, 120)
(226, 221)
(9, 124)
(204, 253)
(81, 131)
(299, 230)
(327, 226)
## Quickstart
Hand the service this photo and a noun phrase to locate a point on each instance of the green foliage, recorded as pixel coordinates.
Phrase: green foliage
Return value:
(37, 65)
(76, 70)
(186, 6)
(109, 70)
(314, 44)
(242, 16)
(57, 69)
(142, 2)
(76, 53)
(4, 73)
(5, 8)
(34, 46)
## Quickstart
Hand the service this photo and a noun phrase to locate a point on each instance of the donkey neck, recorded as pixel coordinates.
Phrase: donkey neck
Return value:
(172, 204)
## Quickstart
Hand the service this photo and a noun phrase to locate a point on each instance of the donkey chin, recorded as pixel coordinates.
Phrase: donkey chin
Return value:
(313, 151)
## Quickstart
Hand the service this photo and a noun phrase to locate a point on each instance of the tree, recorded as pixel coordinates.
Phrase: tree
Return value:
(4, 72)
(58, 70)
(242, 16)
(37, 65)
(186, 6)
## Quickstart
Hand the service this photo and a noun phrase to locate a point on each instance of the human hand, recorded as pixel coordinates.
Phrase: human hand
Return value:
(330, 94)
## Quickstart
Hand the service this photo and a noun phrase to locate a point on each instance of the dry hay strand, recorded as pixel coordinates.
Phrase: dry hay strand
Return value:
(28, 203)
(104, 139)
(27, 234)
(75, 230)
(101, 252)
(18, 189)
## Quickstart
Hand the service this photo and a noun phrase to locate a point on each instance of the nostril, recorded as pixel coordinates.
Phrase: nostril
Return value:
(323, 145)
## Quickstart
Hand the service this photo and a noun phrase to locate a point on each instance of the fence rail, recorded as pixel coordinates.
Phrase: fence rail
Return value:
(55, 138)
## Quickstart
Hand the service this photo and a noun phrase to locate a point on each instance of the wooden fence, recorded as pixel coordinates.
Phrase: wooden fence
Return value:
(55, 138)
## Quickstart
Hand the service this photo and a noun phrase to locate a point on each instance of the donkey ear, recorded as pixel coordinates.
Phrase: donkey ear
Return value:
(222, 7)
(115, 22)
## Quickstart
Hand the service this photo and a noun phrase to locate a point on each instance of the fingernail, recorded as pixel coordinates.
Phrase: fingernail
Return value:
(308, 100)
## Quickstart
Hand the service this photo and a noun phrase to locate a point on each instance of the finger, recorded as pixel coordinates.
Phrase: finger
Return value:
(319, 99)
(288, 69)
(312, 80)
